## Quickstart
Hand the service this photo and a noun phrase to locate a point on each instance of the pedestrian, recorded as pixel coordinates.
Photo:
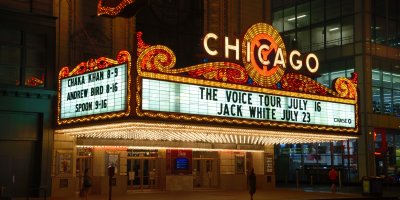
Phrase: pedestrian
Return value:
(252, 183)
(333, 177)
(87, 184)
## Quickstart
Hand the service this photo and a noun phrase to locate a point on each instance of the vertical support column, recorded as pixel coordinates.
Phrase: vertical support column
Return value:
(215, 21)
(362, 34)
(122, 35)
(61, 10)
(269, 173)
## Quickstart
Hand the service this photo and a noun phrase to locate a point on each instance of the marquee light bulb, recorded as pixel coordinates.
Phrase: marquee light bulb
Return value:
(152, 131)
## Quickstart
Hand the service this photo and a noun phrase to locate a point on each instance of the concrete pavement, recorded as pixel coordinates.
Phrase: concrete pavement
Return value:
(276, 194)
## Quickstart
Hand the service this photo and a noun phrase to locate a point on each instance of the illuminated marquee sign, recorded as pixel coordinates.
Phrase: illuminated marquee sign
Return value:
(259, 92)
(264, 54)
(95, 90)
(201, 100)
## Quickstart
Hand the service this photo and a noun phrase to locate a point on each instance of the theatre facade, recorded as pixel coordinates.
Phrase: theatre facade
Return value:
(172, 128)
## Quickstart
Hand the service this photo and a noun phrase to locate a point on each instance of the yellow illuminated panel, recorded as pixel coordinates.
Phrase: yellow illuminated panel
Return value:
(173, 97)
(254, 37)
(190, 117)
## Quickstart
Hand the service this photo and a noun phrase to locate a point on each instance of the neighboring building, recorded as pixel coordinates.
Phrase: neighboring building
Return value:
(27, 78)
(348, 36)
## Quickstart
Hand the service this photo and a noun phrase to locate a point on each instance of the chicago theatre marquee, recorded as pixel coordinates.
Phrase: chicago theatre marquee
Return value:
(205, 125)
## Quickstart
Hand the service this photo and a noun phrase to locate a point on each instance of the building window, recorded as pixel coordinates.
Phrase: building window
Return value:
(303, 15)
(385, 87)
(387, 153)
(397, 154)
(347, 30)
(317, 10)
(303, 41)
(324, 79)
(333, 34)
(335, 69)
(22, 58)
(330, 23)
(376, 99)
(10, 56)
(393, 33)
(396, 103)
(335, 75)
(347, 7)
(278, 21)
(376, 77)
(333, 9)
(387, 79)
(290, 40)
(318, 37)
(385, 27)
(35, 70)
(378, 30)
(349, 72)
(387, 101)
(289, 20)
(313, 160)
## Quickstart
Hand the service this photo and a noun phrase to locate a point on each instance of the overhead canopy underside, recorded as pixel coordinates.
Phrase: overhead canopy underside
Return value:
(191, 136)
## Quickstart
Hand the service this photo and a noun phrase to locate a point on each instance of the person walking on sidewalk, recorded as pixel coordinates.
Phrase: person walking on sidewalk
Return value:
(333, 177)
(252, 183)
(87, 184)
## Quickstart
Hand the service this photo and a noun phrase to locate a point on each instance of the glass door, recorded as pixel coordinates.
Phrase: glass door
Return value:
(141, 173)
(205, 173)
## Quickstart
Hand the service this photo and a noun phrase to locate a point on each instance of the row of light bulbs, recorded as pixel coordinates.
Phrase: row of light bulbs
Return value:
(124, 148)
(195, 133)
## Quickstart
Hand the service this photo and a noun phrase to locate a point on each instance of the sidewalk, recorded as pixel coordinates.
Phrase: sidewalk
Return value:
(276, 194)
(388, 191)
